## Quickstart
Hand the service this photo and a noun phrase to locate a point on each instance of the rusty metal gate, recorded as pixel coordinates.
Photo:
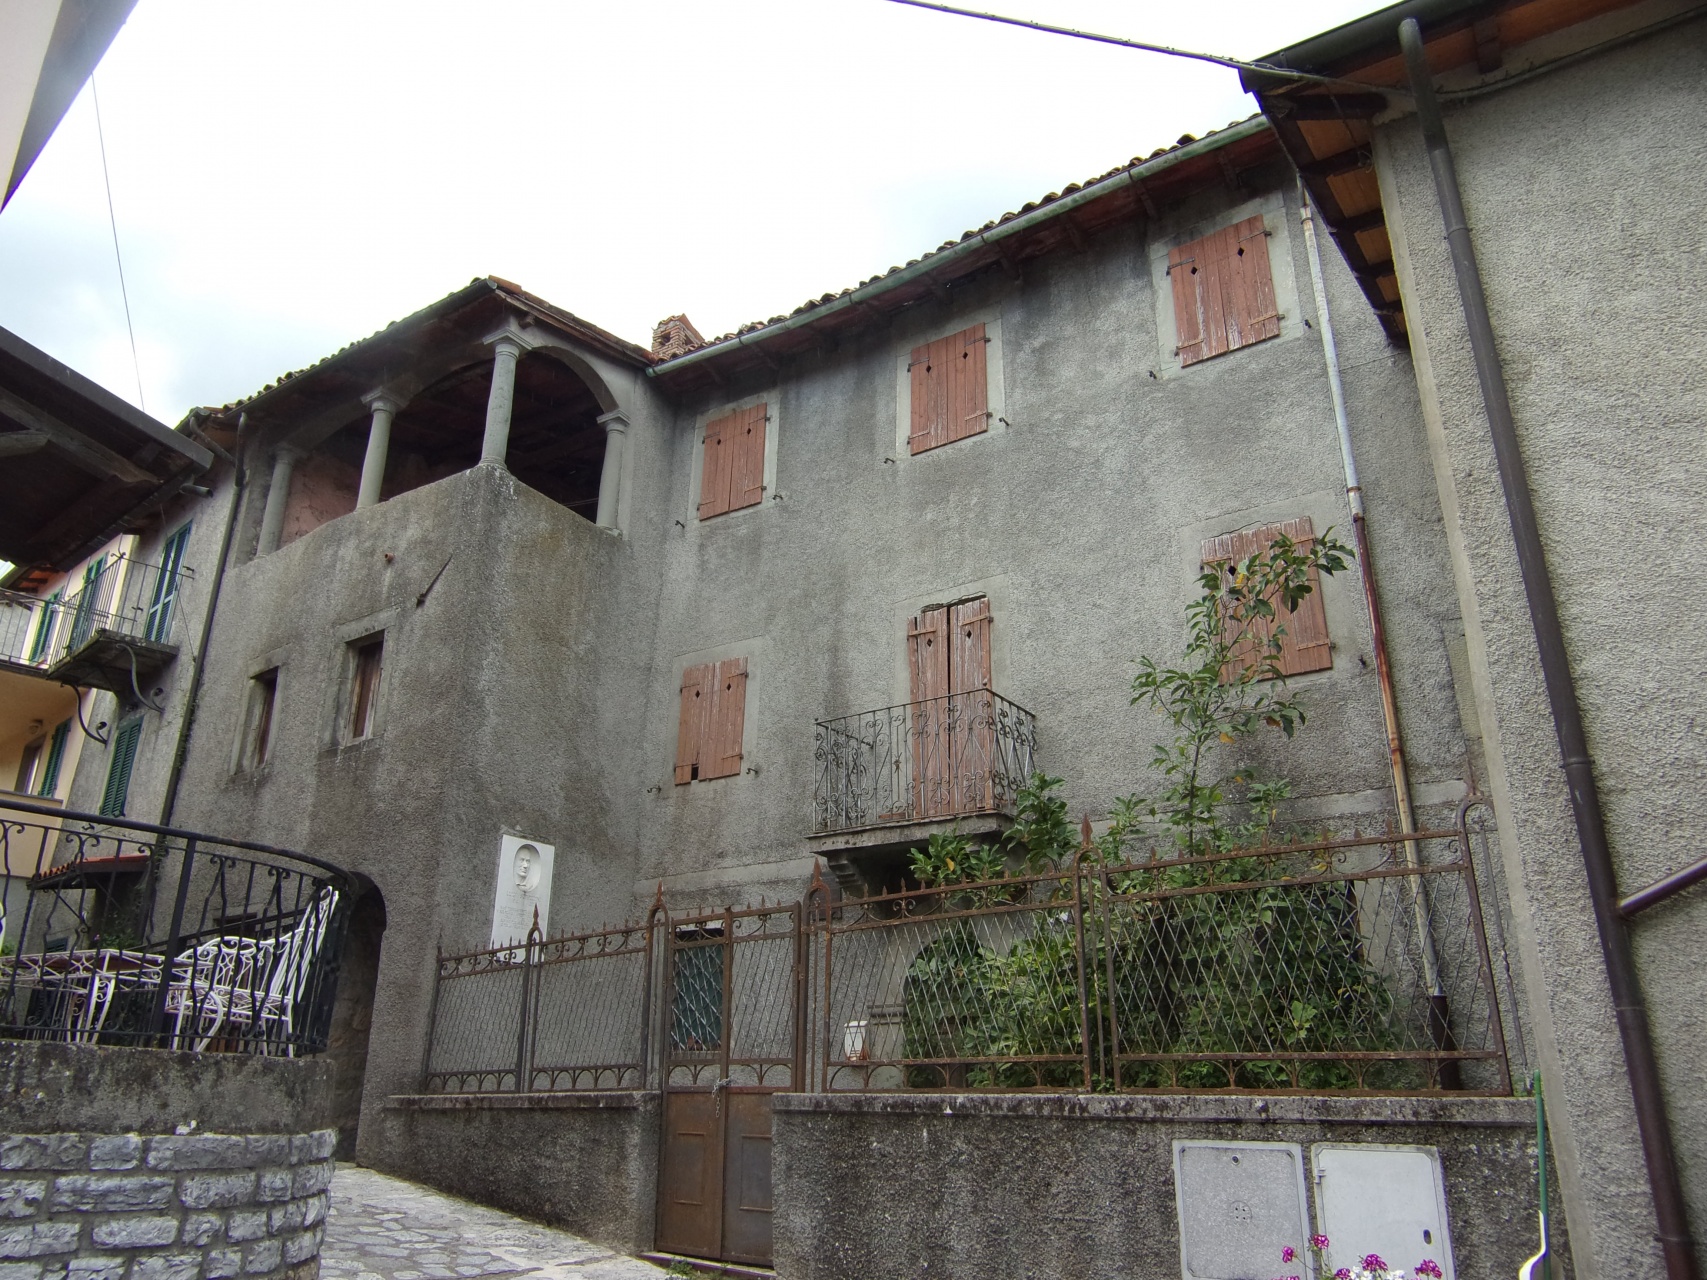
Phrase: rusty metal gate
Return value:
(734, 986)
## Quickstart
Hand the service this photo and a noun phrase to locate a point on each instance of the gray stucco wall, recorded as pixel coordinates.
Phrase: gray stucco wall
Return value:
(1582, 189)
(586, 1162)
(980, 1185)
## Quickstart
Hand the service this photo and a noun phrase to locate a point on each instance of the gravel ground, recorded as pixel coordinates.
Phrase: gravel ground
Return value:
(382, 1228)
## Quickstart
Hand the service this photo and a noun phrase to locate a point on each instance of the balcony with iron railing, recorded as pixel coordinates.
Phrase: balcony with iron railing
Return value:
(114, 631)
(957, 757)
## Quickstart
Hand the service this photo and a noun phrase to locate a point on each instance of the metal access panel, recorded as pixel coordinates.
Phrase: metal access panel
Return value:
(1240, 1205)
(1390, 1200)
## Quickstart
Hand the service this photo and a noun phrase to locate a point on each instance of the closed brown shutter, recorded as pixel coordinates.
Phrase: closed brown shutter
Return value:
(950, 389)
(717, 468)
(969, 655)
(927, 654)
(695, 714)
(747, 435)
(1223, 291)
(1305, 645)
(720, 754)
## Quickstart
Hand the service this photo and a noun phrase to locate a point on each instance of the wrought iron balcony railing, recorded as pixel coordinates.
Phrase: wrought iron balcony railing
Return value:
(115, 627)
(966, 753)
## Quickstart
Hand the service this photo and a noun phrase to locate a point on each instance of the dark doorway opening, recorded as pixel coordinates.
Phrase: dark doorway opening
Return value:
(352, 1015)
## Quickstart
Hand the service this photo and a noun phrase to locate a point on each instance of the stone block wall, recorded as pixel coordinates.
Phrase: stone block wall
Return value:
(196, 1206)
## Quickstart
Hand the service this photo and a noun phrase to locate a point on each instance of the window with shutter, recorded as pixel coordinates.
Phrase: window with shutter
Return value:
(950, 390)
(119, 765)
(712, 720)
(732, 469)
(55, 759)
(367, 663)
(1304, 643)
(158, 625)
(950, 728)
(44, 627)
(1223, 291)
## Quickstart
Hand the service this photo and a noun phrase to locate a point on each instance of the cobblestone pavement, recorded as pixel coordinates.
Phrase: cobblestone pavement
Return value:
(382, 1228)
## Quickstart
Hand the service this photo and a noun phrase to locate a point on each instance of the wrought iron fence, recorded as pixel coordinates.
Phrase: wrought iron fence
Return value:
(965, 753)
(127, 598)
(120, 932)
(1341, 966)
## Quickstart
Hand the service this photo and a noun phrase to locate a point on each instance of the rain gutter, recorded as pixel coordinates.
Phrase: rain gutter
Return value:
(1133, 175)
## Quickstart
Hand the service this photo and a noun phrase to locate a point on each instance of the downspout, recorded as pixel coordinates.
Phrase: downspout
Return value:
(239, 479)
(1440, 1020)
(1669, 1205)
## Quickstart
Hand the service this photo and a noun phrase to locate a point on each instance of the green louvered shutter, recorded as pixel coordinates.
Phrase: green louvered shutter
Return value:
(118, 771)
(55, 758)
(159, 625)
(83, 616)
(44, 627)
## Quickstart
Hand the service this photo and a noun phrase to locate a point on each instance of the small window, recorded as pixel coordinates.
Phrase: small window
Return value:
(263, 694)
(732, 472)
(366, 660)
(28, 764)
(119, 766)
(1223, 292)
(712, 721)
(1304, 645)
(696, 1004)
(950, 390)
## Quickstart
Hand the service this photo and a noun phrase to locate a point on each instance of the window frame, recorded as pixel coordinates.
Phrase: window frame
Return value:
(995, 402)
(771, 401)
(359, 718)
(260, 719)
(121, 768)
(168, 582)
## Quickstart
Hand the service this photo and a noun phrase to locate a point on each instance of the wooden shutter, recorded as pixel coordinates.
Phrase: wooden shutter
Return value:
(118, 769)
(44, 627)
(969, 647)
(717, 468)
(1304, 645)
(720, 754)
(927, 654)
(745, 441)
(695, 713)
(1255, 313)
(55, 759)
(1223, 291)
(158, 624)
(950, 389)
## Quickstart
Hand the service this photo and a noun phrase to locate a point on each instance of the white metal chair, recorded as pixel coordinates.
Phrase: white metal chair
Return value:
(208, 981)
(293, 965)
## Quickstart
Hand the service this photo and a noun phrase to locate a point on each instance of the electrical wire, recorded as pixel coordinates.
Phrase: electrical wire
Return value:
(113, 222)
(1262, 68)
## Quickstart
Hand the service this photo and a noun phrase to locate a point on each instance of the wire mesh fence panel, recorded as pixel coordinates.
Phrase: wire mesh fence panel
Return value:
(764, 988)
(588, 1011)
(969, 987)
(479, 1005)
(1352, 966)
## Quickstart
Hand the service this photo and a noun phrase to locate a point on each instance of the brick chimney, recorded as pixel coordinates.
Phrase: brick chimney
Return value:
(674, 336)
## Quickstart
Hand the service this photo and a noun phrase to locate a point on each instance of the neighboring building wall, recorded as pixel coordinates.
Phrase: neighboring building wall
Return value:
(1582, 189)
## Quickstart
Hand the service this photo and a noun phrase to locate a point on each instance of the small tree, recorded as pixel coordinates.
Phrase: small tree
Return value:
(1229, 687)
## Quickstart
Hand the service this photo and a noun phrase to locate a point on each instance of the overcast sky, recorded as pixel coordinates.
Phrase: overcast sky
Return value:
(289, 177)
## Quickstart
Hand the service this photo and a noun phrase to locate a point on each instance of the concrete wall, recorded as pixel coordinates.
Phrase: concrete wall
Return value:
(1080, 513)
(978, 1185)
(139, 1164)
(1582, 189)
(586, 1162)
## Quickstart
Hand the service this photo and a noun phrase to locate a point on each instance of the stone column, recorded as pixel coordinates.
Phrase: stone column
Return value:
(278, 493)
(384, 408)
(505, 352)
(615, 424)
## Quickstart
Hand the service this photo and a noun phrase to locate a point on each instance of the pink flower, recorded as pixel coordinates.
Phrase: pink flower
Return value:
(1372, 1262)
(1344, 1273)
(1288, 1253)
(1318, 1241)
(1429, 1267)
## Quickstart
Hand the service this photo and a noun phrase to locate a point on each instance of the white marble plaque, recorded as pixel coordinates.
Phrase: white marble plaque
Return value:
(524, 886)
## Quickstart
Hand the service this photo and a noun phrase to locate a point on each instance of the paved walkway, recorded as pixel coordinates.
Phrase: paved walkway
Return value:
(382, 1228)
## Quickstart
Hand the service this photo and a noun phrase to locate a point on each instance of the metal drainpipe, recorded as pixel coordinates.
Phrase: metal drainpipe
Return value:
(1670, 1208)
(1440, 1020)
(238, 480)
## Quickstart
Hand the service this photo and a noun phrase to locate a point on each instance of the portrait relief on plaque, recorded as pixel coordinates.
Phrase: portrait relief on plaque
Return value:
(523, 887)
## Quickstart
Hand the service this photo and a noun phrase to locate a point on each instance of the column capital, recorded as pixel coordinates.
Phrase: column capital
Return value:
(385, 400)
(289, 453)
(616, 420)
(510, 336)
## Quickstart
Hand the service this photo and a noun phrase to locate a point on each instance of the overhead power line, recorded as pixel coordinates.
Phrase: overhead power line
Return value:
(1263, 68)
(112, 221)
